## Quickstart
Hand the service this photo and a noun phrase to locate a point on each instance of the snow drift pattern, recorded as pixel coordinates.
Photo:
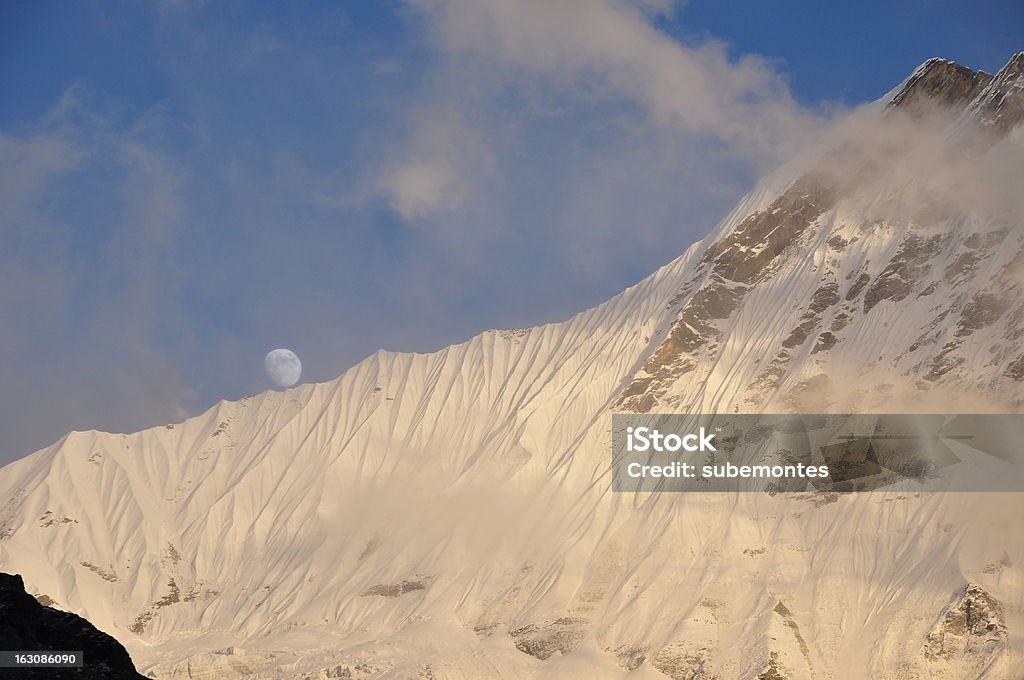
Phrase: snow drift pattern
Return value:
(450, 514)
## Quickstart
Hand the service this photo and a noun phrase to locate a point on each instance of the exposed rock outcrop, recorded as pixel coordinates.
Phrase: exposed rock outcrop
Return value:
(971, 627)
(940, 82)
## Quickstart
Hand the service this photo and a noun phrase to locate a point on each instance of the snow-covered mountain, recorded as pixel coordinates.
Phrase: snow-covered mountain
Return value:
(449, 515)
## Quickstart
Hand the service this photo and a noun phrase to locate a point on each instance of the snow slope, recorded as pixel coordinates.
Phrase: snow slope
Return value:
(448, 515)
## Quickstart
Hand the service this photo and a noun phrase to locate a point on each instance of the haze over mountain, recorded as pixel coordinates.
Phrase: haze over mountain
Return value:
(450, 514)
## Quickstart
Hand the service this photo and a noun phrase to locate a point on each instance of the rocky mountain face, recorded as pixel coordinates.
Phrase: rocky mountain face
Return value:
(916, 289)
(449, 515)
(27, 625)
(939, 82)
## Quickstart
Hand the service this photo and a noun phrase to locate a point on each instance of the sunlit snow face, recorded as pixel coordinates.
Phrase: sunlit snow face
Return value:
(283, 368)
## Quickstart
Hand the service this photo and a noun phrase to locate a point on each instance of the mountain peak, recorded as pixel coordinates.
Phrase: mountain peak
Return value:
(1001, 104)
(942, 82)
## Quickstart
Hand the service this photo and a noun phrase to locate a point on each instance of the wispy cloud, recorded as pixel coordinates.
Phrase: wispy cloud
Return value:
(504, 66)
(580, 134)
(930, 165)
(89, 206)
(306, 183)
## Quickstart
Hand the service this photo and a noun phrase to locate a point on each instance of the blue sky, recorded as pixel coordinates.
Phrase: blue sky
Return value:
(186, 185)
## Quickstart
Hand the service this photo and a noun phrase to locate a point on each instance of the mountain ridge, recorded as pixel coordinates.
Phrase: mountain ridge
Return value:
(300, 533)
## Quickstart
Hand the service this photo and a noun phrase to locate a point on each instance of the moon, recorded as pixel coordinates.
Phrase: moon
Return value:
(283, 367)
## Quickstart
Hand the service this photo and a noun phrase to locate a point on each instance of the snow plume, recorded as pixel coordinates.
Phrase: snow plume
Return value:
(850, 387)
(929, 166)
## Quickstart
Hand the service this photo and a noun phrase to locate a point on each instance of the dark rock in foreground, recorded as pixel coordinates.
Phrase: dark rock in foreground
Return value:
(27, 625)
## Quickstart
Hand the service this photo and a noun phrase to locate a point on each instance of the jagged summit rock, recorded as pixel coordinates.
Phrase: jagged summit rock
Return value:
(995, 102)
(1001, 104)
(941, 82)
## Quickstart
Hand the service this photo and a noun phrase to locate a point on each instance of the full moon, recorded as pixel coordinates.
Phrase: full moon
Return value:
(283, 367)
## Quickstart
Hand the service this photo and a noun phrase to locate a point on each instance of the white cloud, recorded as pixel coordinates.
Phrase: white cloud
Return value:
(431, 178)
(547, 155)
(546, 56)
